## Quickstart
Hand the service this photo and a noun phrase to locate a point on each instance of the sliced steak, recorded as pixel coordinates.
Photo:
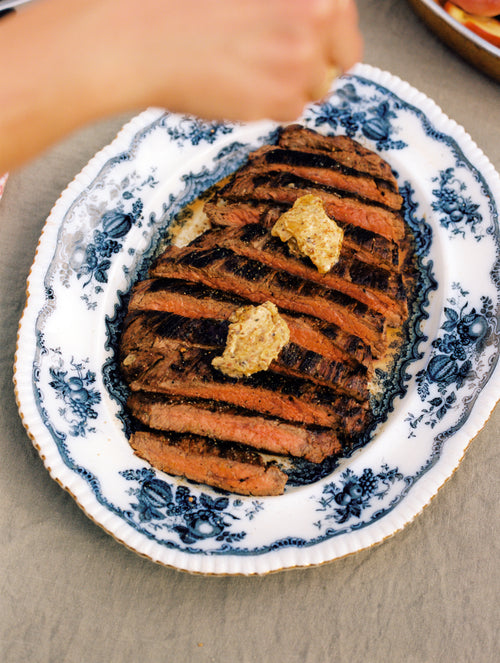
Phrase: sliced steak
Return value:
(343, 149)
(378, 289)
(206, 461)
(221, 268)
(196, 300)
(157, 333)
(152, 331)
(321, 168)
(190, 299)
(285, 188)
(297, 362)
(187, 372)
(313, 401)
(239, 214)
(328, 340)
(369, 247)
(223, 422)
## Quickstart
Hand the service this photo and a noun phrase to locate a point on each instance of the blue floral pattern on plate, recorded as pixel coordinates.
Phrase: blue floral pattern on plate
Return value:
(192, 518)
(76, 390)
(456, 210)
(108, 225)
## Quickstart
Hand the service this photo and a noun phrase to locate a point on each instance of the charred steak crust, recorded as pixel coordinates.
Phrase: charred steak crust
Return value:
(221, 268)
(187, 371)
(321, 169)
(229, 423)
(369, 247)
(313, 401)
(378, 289)
(197, 300)
(157, 333)
(344, 149)
(207, 461)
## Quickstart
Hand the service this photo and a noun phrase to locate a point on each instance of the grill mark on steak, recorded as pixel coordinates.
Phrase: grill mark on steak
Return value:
(374, 287)
(150, 330)
(184, 298)
(320, 168)
(207, 461)
(157, 333)
(241, 214)
(187, 372)
(221, 268)
(193, 300)
(343, 149)
(285, 188)
(230, 424)
(369, 247)
(298, 362)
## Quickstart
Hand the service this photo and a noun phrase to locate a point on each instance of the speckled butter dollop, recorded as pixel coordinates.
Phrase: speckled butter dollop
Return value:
(255, 337)
(309, 231)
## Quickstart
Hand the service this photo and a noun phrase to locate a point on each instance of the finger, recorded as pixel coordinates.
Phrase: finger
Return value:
(321, 88)
(343, 40)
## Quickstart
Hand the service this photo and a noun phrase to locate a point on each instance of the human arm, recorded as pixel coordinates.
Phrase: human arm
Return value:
(74, 61)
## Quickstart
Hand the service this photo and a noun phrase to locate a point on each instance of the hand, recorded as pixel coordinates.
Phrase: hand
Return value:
(72, 62)
(233, 59)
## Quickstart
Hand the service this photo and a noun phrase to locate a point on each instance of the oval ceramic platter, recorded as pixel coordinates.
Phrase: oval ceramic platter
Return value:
(97, 241)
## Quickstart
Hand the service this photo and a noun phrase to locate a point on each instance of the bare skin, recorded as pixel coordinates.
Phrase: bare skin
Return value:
(480, 7)
(72, 62)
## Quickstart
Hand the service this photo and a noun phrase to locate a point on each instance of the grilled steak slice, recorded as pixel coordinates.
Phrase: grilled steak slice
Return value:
(198, 459)
(378, 289)
(321, 168)
(187, 372)
(223, 422)
(369, 247)
(196, 300)
(285, 188)
(327, 340)
(242, 214)
(184, 298)
(343, 149)
(295, 361)
(157, 332)
(152, 331)
(221, 268)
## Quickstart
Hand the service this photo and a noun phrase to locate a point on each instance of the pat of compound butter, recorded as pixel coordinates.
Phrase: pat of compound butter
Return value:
(255, 337)
(310, 232)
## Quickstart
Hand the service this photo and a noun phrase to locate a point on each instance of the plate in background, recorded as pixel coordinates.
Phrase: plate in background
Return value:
(469, 45)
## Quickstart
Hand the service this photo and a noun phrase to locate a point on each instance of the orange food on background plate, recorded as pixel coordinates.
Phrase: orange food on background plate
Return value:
(486, 27)
(479, 7)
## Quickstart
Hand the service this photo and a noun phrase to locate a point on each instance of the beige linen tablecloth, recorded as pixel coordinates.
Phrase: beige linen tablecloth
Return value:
(70, 593)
